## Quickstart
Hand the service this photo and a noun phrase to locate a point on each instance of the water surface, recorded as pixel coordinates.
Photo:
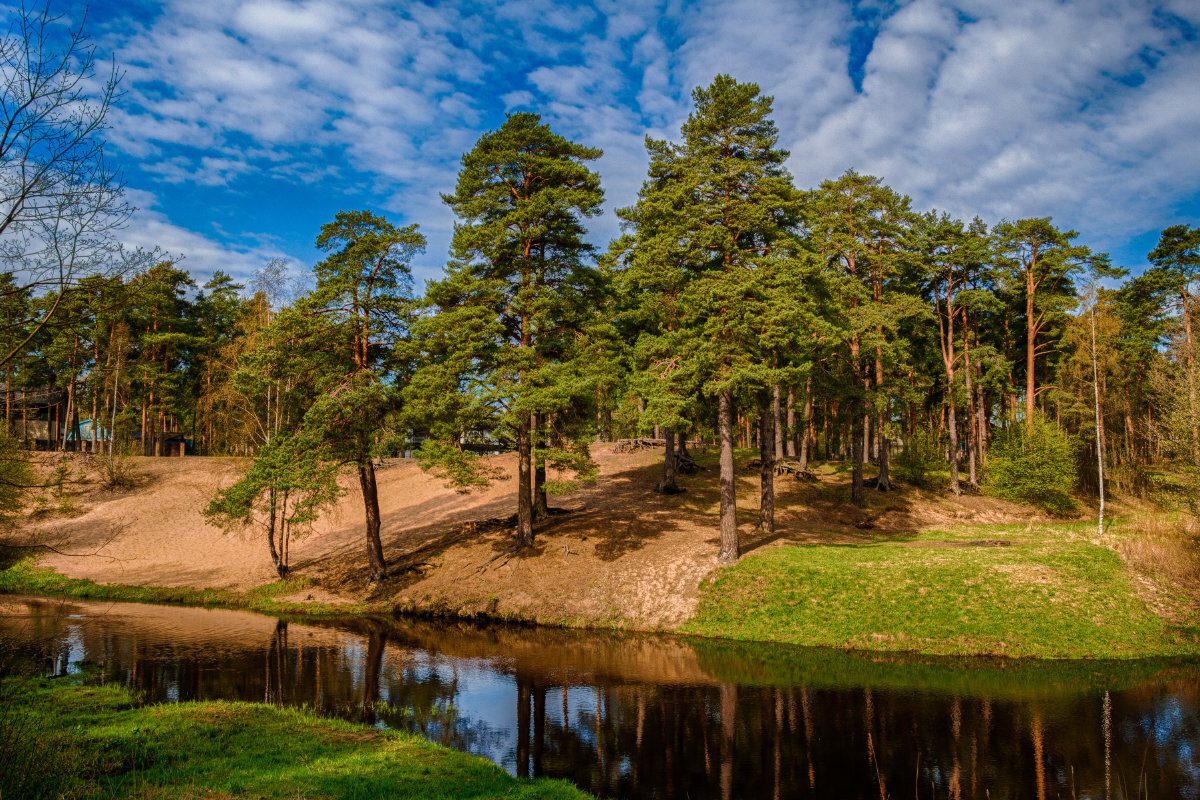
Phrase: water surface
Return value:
(660, 717)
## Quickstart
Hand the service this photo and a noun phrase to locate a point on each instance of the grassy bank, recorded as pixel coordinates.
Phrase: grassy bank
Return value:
(60, 739)
(1044, 591)
(25, 577)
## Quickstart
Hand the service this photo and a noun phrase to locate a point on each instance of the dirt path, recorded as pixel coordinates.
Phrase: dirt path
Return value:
(614, 553)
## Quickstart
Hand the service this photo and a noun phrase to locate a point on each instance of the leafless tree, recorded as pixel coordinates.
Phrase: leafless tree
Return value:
(61, 200)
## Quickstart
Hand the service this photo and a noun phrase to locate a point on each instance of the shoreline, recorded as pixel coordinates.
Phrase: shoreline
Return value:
(79, 736)
(915, 571)
(23, 578)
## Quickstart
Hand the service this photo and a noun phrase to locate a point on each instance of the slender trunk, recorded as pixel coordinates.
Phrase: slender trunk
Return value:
(793, 431)
(112, 427)
(866, 442)
(1130, 444)
(1189, 346)
(537, 438)
(952, 424)
(1099, 418)
(767, 443)
(285, 535)
(883, 482)
(858, 438)
(524, 487)
(971, 415)
(1030, 350)
(272, 516)
(730, 549)
(982, 411)
(777, 421)
(829, 410)
(807, 425)
(69, 413)
(370, 493)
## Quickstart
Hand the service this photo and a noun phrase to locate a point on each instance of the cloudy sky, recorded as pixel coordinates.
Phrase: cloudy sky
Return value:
(246, 125)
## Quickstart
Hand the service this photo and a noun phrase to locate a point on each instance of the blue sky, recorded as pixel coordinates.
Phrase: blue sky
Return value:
(245, 126)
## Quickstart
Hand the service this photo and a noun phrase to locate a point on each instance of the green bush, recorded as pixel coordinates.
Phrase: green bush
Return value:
(920, 455)
(1035, 466)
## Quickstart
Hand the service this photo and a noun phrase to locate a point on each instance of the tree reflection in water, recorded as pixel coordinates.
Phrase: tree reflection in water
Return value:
(638, 716)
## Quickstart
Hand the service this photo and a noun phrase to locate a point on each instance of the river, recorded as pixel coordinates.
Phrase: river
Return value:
(645, 716)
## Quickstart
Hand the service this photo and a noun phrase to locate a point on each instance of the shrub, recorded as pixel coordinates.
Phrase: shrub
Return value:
(1035, 466)
(920, 456)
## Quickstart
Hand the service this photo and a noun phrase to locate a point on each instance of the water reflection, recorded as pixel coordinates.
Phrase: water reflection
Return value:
(636, 716)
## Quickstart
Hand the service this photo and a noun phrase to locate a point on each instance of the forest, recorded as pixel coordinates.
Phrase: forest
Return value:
(835, 322)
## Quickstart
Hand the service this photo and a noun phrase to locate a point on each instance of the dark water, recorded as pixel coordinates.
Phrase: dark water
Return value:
(644, 716)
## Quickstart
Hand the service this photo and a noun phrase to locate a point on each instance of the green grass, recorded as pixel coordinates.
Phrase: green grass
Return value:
(1050, 593)
(59, 739)
(25, 577)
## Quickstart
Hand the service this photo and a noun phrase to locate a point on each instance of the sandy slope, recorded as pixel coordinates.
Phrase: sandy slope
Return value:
(617, 553)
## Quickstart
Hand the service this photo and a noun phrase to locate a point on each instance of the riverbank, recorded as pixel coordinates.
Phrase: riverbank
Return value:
(58, 738)
(914, 571)
(1041, 591)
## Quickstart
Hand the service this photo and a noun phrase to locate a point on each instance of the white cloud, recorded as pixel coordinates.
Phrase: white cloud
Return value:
(150, 229)
(1083, 111)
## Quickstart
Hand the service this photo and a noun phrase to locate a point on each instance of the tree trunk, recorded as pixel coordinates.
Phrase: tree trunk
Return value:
(524, 488)
(370, 493)
(669, 484)
(793, 431)
(1030, 351)
(729, 533)
(271, 519)
(69, 412)
(285, 536)
(777, 421)
(806, 437)
(858, 439)
(538, 437)
(952, 424)
(982, 411)
(884, 482)
(112, 427)
(767, 444)
(1189, 345)
(1099, 419)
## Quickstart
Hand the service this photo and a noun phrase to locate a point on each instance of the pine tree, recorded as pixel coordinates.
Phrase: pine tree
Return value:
(362, 302)
(1177, 260)
(714, 220)
(506, 348)
(1041, 263)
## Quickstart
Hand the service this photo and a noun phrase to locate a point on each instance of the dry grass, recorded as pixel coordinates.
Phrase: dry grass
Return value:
(1164, 545)
(1163, 550)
